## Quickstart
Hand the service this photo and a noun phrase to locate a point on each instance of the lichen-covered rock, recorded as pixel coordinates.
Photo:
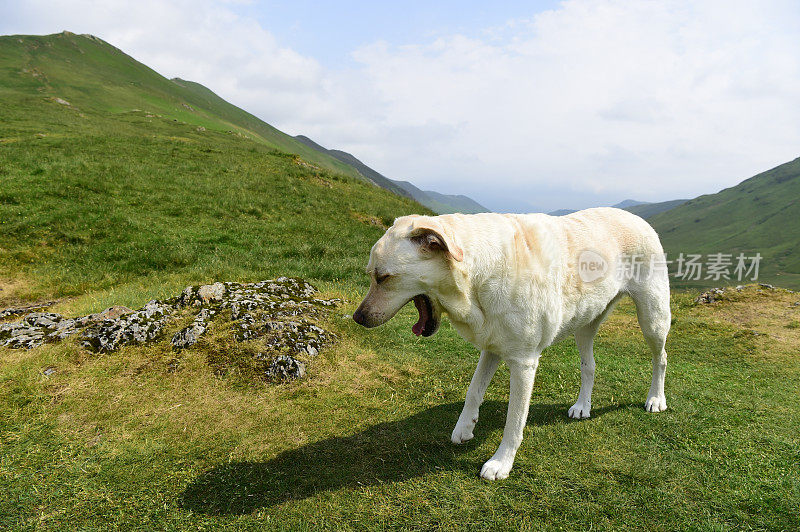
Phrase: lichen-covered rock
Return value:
(276, 315)
(20, 336)
(111, 313)
(42, 319)
(65, 328)
(135, 328)
(284, 367)
(300, 336)
(188, 336)
(720, 294)
(35, 329)
(197, 296)
(245, 328)
(710, 296)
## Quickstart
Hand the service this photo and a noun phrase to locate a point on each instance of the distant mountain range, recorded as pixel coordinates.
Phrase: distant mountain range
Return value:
(439, 203)
(562, 212)
(443, 203)
(624, 204)
(641, 208)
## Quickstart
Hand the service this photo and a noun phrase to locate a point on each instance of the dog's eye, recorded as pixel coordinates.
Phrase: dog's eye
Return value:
(381, 278)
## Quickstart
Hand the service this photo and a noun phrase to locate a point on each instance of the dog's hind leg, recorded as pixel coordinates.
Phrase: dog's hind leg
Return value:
(584, 338)
(652, 308)
(487, 365)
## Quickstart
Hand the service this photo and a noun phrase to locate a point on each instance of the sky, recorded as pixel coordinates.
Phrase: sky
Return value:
(523, 106)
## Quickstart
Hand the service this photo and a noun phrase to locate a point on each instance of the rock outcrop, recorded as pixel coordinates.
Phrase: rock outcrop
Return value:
(719, 294)
(277, 313)
(137, 327)
(284, 367)
(710, 296)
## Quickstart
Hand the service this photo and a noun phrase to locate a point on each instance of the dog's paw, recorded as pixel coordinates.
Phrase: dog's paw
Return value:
(462, 432)
(496, 469)
(656, 404)
(580, 410)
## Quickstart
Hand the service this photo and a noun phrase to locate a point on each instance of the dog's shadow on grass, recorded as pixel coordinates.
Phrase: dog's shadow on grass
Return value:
(387, 452)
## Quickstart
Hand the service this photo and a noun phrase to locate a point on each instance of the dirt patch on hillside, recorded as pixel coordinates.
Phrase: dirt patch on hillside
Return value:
(770, 316)
(17, 299)
(9, 290)
(368, 219)
(16, 292)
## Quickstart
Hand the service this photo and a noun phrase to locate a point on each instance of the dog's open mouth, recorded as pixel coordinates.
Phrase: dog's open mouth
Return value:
(426, 325)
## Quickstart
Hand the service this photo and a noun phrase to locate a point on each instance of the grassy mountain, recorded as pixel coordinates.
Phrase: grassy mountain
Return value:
(640, 208)
(112, 173)
(625, 204)
(453, 203)
(95, 77)
(760, 214)
(648, 210)
(439, 203)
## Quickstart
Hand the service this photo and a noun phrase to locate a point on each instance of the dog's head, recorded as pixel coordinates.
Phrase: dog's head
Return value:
(414, 260)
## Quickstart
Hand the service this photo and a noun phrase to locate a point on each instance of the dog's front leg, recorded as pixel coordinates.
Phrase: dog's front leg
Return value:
(522, 377)
(487, 365)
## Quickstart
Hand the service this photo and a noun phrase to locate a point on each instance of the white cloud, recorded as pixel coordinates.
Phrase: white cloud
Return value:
(647, 100)
(594, 101)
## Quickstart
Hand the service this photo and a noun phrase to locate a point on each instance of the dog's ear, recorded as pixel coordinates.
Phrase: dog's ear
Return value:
(432, 236)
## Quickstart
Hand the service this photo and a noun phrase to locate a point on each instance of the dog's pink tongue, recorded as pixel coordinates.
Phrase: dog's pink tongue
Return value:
(422, 308)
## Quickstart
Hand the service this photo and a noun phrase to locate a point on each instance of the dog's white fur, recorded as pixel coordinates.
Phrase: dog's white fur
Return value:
(511, 285)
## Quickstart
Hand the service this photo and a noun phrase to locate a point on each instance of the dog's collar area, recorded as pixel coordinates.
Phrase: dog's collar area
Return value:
(426, 325)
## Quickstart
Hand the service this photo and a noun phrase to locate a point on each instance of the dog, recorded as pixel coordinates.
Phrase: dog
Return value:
(513, 284)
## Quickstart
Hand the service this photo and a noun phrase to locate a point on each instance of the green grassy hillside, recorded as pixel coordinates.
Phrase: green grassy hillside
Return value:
(95, 77)
(760, 214)
(121, 196)
(122, 181)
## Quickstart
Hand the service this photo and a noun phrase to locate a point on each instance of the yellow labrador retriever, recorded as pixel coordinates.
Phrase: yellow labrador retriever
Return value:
(513, 284)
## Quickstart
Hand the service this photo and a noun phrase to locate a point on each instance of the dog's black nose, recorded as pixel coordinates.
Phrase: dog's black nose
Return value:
(358, 317)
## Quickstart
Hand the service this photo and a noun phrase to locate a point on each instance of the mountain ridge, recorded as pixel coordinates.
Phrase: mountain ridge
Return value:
(436, 201)
(364, 170)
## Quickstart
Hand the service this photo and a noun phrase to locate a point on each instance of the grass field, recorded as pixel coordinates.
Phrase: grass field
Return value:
(115, 207)
(124, 441)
